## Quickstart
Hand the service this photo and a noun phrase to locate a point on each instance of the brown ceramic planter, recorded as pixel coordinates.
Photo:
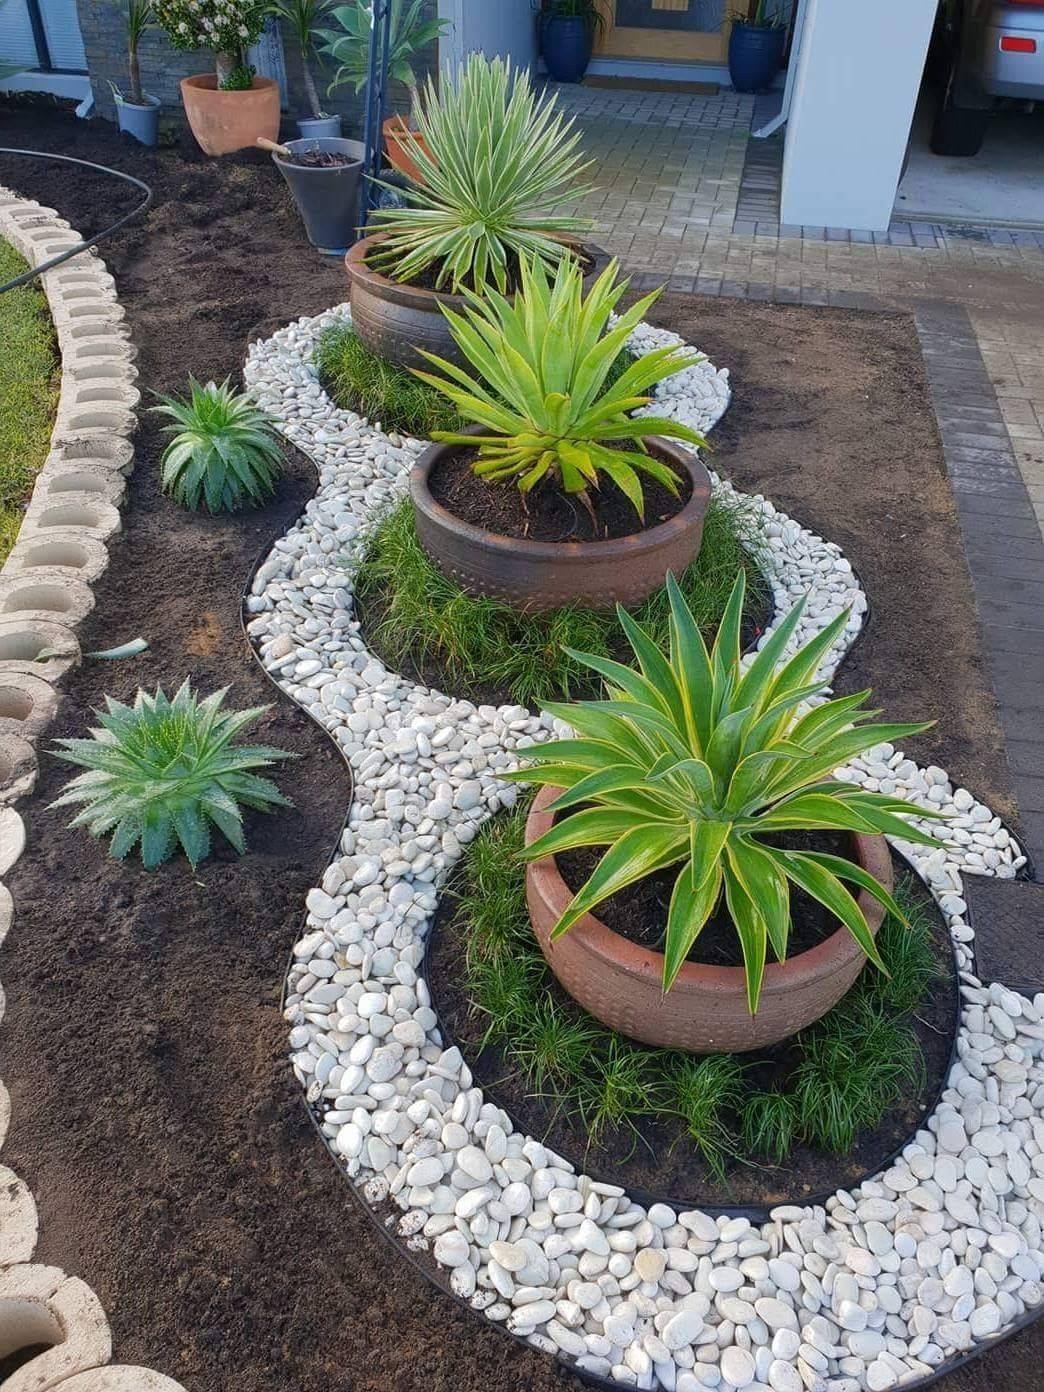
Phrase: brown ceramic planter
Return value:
(397, 149)
(538, 575)
(227, 121)
(705, 1010)
(396, 320)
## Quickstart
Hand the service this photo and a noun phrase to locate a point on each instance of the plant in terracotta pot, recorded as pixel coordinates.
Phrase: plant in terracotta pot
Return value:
(231, 107)
(349, 47)
(136, 113)
(557, 493)
(717, 780)
(302, 19)
(496, 161)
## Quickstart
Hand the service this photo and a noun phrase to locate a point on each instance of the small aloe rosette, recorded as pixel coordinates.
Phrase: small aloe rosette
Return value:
(542, 385)
(691, 761)
(164, 771)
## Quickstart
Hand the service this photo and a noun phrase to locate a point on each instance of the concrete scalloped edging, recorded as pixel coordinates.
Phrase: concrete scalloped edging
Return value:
(44, 594)
(884, 1285)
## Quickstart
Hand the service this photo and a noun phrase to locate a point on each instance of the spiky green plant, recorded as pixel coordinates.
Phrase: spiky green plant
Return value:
(164, 771)
(223, 451)
(541, 389)
(349, 46)
(693, 761)
(495, 161)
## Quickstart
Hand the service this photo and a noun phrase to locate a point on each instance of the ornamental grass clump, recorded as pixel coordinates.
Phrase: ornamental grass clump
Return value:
(223, 452)
(693, 762)
(495, 160)
(544, 388)
(163, 772)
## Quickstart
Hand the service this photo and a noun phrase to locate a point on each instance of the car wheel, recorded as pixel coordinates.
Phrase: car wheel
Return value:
(958, 130)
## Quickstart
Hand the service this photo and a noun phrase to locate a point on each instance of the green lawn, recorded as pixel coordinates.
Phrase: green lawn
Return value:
(29, 379)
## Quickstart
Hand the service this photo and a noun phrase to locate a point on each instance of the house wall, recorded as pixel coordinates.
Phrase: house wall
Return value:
(162, 67)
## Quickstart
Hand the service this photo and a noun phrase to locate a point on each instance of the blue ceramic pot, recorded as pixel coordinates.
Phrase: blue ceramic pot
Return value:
(566, 45)
(755, 53)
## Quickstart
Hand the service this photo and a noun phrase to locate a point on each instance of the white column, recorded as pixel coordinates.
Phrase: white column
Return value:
(858, 74)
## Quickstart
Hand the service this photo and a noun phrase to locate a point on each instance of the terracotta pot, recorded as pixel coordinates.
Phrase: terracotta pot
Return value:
(537, 575)
(398, 151)
(705, 1011)
(227, 121)
(396, 320)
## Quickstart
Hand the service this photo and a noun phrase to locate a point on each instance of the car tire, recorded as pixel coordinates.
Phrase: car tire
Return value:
(958, 130)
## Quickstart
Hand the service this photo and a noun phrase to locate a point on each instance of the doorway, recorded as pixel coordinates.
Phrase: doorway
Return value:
(680, 31)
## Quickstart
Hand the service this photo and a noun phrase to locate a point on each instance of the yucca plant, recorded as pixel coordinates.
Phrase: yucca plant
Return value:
(223, 451)
(495, 160)
(691, 761)
(349, 46)
(540, 386)
(164, 771)
(302, 18)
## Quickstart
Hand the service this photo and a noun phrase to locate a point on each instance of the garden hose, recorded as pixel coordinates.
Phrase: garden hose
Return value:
(90, 241)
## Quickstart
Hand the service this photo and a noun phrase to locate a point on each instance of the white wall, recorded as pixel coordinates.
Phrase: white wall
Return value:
(857, 80)
(505, 28)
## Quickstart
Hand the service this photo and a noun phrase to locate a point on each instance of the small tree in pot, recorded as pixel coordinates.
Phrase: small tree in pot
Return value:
(229, 108)
(302, 18)
(136, 113)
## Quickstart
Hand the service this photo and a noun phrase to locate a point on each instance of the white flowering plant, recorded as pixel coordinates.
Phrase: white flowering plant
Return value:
(226, 27)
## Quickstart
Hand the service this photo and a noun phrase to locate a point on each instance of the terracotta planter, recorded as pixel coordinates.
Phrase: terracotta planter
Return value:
(396, 321)
(705, 1010)
(227, 121)
(537, 575)
(397, 149)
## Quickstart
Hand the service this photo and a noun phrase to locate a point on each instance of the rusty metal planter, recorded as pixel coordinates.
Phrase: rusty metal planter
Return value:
(396, 320)
(540, 575)
(705, 1011)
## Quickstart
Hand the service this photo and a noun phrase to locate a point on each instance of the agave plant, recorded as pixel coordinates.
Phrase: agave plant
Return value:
(691, 761)
(494, 160)
(164, 771)
(223, 451)
(540, 386)
(350, 46)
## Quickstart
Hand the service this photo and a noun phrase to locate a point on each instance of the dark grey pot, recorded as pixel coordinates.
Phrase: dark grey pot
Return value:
(327, 199)
(311, 128)
(140, 121)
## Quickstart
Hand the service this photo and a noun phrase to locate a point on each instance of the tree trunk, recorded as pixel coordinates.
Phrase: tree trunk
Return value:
(134, 74)
(310, 87)
(225, 63)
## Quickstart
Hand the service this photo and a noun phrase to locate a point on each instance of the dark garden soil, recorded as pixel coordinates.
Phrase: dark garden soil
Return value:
(657, 1157)
(639, 912)
(156, 1119)
(548, 514)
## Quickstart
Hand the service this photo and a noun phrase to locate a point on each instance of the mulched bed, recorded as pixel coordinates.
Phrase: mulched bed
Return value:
(155, 1116)
(658, 1158)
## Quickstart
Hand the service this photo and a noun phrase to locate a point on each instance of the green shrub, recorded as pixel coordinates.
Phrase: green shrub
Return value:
(223, 451)
(163, 772)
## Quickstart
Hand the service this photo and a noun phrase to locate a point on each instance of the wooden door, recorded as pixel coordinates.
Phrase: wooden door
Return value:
(680, 31)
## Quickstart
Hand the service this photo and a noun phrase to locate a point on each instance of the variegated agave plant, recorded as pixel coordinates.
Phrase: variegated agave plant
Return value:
(691, 761)
(496, 161)
(163, 772)
(540, 385)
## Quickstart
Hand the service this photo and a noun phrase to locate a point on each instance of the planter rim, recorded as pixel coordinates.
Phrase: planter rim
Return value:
(682, 521)
(611, 948)
(758, 28)
(207, 82)
(304, 170)
(406, 293)
(149, 104)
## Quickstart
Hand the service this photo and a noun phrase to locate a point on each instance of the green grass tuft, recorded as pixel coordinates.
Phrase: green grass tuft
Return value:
(477, 642)
(29, 380)
(845, 1071)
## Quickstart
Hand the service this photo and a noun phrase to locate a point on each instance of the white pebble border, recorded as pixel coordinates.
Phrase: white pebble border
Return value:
(877, 1288)
(43, 595)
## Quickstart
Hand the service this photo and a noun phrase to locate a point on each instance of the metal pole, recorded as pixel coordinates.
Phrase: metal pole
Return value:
(376, 87)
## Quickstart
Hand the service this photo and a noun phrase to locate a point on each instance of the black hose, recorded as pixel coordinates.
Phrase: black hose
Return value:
(91, 241)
